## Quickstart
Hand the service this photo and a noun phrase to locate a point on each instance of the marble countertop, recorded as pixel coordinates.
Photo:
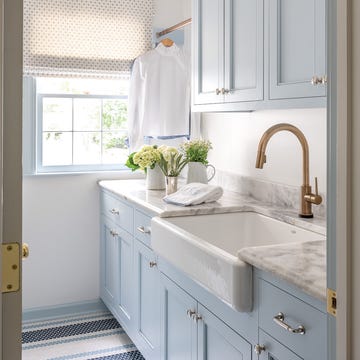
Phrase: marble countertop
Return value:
(302, 264)
(134, 190)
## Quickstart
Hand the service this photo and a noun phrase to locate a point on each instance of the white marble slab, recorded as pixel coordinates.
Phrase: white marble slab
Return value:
(302, 264)
(134, 190)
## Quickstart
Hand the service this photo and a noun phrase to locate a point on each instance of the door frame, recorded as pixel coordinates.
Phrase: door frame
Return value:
(340, 175)
(11, 154)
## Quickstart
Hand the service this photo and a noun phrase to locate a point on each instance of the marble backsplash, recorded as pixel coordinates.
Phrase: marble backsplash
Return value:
(280, 195)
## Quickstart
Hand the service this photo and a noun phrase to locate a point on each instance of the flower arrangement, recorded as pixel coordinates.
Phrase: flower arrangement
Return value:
(146, 157)
(171, 161)
(196, 150)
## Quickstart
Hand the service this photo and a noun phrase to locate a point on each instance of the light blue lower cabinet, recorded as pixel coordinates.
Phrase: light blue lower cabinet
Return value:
(273, 350)
(108, 260)
(178, 329)
(190, 331)
(217, 341)
(147, 302)
(116, 274)
(124, 299)
(171, 317)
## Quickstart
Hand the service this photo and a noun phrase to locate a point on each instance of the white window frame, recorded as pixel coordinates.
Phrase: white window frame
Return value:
(33, 133)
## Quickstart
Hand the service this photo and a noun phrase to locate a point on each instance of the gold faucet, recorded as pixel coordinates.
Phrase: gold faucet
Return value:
(307, 198)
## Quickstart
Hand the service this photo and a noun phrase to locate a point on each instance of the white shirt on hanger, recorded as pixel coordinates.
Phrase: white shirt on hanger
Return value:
(159, 98)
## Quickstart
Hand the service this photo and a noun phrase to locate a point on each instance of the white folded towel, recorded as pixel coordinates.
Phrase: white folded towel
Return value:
(194, 194)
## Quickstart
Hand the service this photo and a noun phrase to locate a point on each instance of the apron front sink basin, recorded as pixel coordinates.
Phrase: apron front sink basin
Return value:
(205, 247)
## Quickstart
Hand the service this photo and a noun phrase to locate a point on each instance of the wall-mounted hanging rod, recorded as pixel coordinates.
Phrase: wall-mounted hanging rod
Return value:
(173, 28)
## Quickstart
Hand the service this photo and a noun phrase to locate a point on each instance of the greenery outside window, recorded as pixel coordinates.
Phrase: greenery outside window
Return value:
(81, 124)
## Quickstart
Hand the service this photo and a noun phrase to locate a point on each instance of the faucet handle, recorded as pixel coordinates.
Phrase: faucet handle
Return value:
(316, 186)
(314, 198)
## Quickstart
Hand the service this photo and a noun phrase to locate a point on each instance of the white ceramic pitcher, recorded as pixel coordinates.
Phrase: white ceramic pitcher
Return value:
(198, 172)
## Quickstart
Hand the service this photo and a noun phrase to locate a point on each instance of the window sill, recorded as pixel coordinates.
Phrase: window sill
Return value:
(120, 174)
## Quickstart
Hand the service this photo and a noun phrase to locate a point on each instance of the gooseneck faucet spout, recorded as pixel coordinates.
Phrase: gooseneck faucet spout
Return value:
(307, 198)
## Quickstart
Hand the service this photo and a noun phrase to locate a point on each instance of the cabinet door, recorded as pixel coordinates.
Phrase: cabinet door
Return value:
(208, 51)
(108, 262)
(217, 341)
(273, 350)
(297, 48)
(244, 59)
(178, 330)
(147, 313)
(124, 278)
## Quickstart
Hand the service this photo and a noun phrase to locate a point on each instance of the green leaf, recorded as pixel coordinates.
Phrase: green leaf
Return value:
(130, 162)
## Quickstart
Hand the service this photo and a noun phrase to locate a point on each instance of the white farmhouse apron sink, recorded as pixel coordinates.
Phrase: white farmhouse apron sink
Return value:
(205, 248)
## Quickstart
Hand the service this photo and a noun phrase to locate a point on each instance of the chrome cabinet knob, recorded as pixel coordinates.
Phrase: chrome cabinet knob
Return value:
(259, 349)
(225, 91)
(324, 80)
(196, 317)
(315, 80)
(218, 91)
(152, 264)
(113, 233)
(190, 313)
(115, 211)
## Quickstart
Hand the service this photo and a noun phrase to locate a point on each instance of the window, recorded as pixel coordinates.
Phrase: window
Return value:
(81, 124)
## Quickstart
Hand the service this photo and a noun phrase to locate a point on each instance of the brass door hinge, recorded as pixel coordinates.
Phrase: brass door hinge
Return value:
(10, 260)
(331, 302)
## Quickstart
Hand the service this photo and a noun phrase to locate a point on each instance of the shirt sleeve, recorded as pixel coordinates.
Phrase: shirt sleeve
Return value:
(135, 110)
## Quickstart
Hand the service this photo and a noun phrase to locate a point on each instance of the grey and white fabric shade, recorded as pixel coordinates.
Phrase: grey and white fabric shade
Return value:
(95, 38)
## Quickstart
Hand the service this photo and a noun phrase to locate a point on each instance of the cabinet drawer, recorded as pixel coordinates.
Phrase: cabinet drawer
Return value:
(117, 211)
(311, 344)
(142, 228)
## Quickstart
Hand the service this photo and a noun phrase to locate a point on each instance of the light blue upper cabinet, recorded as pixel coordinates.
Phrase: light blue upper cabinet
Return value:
(244, 60)
(208, 69)
(256, 54)
(297, 49)
(228, 51)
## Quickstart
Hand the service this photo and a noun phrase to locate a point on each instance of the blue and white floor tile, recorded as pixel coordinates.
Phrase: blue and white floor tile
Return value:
(95, 336)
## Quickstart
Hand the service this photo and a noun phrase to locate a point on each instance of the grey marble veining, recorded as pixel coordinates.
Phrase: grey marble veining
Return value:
(134, 190)
(280, 195)
(302, 264)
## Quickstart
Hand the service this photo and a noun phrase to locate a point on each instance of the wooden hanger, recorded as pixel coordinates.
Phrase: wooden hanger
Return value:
(167, 42)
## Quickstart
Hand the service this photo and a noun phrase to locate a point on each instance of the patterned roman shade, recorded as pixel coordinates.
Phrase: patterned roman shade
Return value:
(97, 38)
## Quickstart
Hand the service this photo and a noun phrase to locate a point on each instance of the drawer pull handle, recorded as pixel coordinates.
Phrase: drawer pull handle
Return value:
(152, 264)
(113, 233)
(143, 230)
(190, 313)
(115, 211)
(279, 319)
